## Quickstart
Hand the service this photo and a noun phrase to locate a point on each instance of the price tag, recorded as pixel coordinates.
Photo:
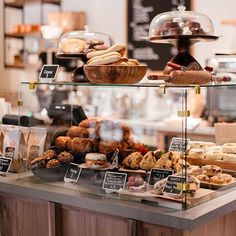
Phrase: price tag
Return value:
(178, 145)
(158, 174)
(172, 185)
(72, 173)
(48, 73)
(5, 163)
(114, 181)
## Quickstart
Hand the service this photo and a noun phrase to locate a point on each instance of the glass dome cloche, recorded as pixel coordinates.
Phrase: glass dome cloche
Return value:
(181, 22)
(75, 44)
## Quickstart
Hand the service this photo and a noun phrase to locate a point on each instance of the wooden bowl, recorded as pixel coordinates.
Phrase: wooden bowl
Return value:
(112, 74)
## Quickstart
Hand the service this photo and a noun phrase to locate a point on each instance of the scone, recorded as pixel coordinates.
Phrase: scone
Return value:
(148, 161)
(203, 178)
(211, 170)
(132, 161)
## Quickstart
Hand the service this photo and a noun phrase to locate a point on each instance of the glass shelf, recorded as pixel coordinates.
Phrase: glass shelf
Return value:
(138, 85)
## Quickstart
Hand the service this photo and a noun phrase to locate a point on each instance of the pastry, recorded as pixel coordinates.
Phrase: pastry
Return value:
(122, 146)
(221, 179)
(119, 48)
(105, 59)
(229, 148)
(72, 45)
(65, 157)
(200, 144)
(229, 157)
(148, 161)
(196, 153)
(38, 162)
(89, 123)
(61, 142)
(214, 153)
(159, 186)
(107, 146)
(52, 163)
(80, 145)
(194, 183)
(211, 170)
(203, 178)
(136, 184)
(96, 160)
(49, 154)
(132, 161)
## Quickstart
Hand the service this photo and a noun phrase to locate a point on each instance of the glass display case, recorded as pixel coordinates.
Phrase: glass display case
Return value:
(100, 129)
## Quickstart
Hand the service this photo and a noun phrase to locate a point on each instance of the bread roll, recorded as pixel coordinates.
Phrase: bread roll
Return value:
(81, 145)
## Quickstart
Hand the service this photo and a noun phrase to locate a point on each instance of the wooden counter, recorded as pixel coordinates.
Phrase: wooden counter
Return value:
(30, 207)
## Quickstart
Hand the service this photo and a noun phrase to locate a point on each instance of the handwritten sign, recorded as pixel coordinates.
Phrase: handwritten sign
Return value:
(178, 145)
(172, 185)
(72, 173)
(158, 174)
(48, 73)
(5, 163)
(114, 181)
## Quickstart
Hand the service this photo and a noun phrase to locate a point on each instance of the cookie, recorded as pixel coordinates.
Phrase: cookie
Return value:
(72, 45)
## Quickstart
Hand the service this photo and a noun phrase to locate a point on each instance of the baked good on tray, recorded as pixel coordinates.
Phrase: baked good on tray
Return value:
(229, 148)
(211, 170)
(148, 161)
(132, 161)
(96, 160)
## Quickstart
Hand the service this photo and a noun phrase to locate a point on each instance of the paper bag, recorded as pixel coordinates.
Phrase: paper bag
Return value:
(225, 133)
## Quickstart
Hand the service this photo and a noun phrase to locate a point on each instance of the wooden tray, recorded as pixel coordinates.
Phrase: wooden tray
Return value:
(216, 186)
(139, 171)
(222, 164)
(201, 195)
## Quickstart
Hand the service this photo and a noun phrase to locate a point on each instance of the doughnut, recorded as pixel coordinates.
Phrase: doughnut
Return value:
(229, 148)
(72, 45)
(229, 157)
(211, 170)
(105, 59)
(197, 153)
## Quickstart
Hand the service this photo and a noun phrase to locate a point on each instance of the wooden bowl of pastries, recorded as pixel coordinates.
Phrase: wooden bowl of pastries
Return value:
(115, 74)
(111, 68)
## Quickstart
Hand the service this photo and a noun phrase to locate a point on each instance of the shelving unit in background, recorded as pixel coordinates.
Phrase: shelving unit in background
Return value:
(20, 38)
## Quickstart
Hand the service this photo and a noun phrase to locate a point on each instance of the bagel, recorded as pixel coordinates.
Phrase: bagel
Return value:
(105, 59)
(115, 48)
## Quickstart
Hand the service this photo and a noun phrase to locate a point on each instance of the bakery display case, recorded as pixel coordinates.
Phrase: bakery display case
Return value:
(101, 142)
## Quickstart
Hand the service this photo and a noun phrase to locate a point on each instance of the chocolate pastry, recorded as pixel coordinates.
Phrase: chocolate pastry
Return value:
(65, 157)
(61, 142)
(52, 163)
(170, 24)
(132, 161)
(193, 24)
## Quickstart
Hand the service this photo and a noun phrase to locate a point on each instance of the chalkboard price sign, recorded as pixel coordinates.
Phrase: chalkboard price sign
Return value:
(178, 145)
(171, 186)
(72, 173)
(140, 15)
(48, 73)
(5, 163)
(158, 174)
(114, 181)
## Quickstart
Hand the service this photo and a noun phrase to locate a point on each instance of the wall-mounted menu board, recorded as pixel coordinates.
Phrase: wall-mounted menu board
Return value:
(140, 15)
